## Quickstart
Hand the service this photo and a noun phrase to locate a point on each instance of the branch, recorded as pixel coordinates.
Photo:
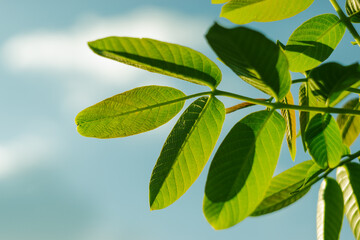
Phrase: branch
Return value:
(241, 106)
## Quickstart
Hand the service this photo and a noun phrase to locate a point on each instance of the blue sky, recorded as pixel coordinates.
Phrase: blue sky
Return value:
(56, 184)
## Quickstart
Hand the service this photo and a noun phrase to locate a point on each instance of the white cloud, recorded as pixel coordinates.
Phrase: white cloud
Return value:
(23, 152)
(66, 51)
(85, 76)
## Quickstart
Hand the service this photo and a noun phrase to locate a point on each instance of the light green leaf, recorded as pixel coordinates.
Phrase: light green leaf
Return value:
(306, 98)
(282, 187)
(312, 174)
(323, 139)
(218, 1)
(290, 120)
(246, 11)
(160, 57)
(132, 112)
(253, 57)
(348, 177)
(186, 151)
(242, 168)
(349, 125)
(329, 80)
(313, 42)
(353, 10)
(330, 210)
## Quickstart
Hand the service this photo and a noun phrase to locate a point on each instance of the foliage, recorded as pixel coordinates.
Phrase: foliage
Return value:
(240, 181)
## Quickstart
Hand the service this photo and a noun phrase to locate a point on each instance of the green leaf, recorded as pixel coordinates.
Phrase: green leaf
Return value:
(132, 112)
(306, 99)
(353, 10)
(290, 120)
(242, 168)
(246, 11)
(348, 177)
(160, 57)
(186, 151)
(330, 210)
(313, 42)
(311, 175)
(349, 125)
(281, 45)
(323, 139)
(253, 57)
(329, 80)
(282, 187)
(218, 1)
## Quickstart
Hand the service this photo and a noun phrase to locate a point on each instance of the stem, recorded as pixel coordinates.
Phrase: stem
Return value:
(299, 80)
(287, 106)
(328, 171)
(241, 106)
(353, 90)
(346, 21)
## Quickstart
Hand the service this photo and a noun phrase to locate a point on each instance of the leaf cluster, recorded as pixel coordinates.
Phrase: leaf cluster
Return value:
(240, 181)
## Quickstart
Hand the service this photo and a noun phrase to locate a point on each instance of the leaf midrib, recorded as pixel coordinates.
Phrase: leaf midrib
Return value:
(134, 111)
(184, 143)
(321, 36)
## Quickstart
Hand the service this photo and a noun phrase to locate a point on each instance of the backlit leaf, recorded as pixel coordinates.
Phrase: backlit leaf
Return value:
(353, 10)
(160, 57)
(253, 57)
(132, 112)
(282, 187)
(242, 168)
(348, 177)
(306, 99)
(313, 42)
(349, 125)
(330, 210)
(246, 11)
(329, 80)
(186, 151)
(290, 120)
(323, 139)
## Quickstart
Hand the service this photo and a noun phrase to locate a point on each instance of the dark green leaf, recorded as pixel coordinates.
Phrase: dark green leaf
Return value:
(348, 177)
(253, 57)
(323, 139)
(353, 10)
(290, 120)
(242, 12)
(281, 45)
(329, 80)
(349, 125)
(282, 187)
(313, 42)
(160, 57)
(330, 210)
(186, 151)
(242, 168)
(306, 99)
(132, 112)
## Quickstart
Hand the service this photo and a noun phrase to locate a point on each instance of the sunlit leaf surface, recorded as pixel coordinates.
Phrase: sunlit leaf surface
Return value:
(323, 140)
(313, 42)
(349, 125)
(246, 11)
(242, 168)
(160, 57)
(330, 210)
(186, 151)
(282, 187)
(348, 177)
(132, 112)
